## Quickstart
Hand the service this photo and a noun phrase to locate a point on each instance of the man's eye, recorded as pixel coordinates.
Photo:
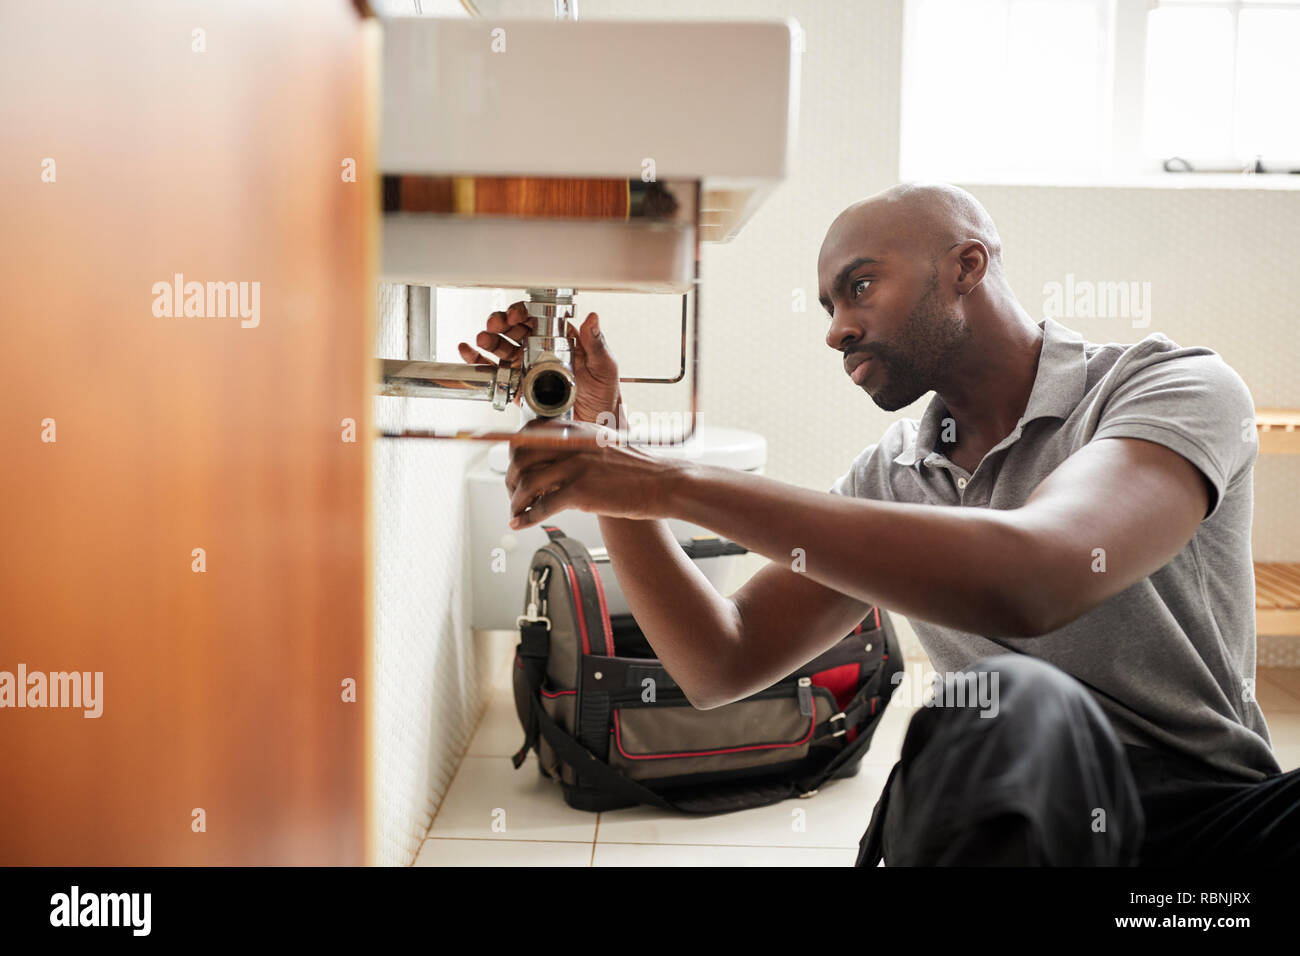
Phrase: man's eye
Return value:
(858, 285)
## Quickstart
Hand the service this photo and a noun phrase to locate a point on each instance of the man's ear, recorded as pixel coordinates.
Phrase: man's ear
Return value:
(973, 264)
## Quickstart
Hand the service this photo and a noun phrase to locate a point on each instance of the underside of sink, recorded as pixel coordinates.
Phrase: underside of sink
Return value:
(707, 109)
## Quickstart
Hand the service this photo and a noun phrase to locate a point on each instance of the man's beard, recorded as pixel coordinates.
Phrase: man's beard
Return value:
(932, 338)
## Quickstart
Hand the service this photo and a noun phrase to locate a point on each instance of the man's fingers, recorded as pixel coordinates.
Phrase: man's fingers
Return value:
(579, 353)
(503, 337)
(524, 460)
(470, 354)
(545, 480)
(517, 314)
(549, 505)
(527, 461)
(498, 345)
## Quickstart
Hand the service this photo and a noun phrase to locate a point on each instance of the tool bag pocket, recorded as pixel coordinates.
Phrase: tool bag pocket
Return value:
(670, 740)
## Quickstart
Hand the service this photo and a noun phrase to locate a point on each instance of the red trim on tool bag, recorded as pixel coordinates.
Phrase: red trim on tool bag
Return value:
(604, 610)
(618, 742)
(577, 604)
(876, 611)
(559, 693)
(841, 681)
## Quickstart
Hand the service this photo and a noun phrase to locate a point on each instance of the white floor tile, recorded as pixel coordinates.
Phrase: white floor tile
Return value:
(443, 852)
(491, 800)
(504, 679)
(637, 854)
(835, 817)
(499, 733)
(887, 742)
(500, 645)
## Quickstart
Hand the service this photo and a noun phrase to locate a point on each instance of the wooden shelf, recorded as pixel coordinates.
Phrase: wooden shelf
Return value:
(1277, 585)
(1279, 430)
(1277, 598)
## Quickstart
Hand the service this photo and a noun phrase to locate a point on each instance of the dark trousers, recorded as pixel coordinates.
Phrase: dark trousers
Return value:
(1044, 781)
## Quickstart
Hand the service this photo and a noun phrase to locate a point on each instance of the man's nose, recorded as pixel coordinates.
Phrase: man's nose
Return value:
(841, 334)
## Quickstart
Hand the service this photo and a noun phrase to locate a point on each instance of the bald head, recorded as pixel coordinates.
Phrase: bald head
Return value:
(918, 218)
(903, 274)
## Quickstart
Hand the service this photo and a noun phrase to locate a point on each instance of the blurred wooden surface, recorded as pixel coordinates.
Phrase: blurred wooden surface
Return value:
(525, 196)
(1279, 431)
(1277, 597)
(222, 690)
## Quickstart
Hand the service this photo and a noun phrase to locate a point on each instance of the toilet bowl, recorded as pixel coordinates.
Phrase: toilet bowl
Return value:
(500, 556)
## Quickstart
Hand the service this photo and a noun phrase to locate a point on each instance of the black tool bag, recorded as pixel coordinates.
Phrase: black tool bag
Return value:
(609, 723)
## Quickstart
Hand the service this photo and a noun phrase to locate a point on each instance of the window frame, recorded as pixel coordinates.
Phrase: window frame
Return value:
(1122, 88)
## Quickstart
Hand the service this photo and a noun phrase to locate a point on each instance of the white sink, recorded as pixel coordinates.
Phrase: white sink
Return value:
(709, 102)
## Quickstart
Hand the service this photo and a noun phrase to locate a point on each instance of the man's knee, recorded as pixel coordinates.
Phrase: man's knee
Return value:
(1014, 732)
(997, 693)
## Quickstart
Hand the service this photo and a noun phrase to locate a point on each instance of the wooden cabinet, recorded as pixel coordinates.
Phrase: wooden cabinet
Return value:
(145, 141)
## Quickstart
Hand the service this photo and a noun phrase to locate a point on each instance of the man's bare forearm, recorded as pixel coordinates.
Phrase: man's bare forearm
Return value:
(694, 630)
(953, 566)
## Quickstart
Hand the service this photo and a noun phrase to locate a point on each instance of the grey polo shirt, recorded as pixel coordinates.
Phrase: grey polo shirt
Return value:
(1171, 659)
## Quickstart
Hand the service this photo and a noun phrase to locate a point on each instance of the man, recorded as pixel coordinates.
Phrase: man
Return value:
(1070, 520)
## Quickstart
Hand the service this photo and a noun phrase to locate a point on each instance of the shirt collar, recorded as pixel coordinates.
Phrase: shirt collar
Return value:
(1059, 386)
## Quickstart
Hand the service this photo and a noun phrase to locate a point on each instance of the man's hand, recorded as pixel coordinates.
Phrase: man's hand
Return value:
(594, 367)
(615, 480)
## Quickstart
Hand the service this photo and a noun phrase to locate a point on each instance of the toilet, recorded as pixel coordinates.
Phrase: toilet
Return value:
(500, 556)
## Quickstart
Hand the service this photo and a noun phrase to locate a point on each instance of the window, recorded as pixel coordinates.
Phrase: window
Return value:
(1098, 90)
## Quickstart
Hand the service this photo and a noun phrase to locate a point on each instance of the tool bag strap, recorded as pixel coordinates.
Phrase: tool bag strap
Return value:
(533, 650)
